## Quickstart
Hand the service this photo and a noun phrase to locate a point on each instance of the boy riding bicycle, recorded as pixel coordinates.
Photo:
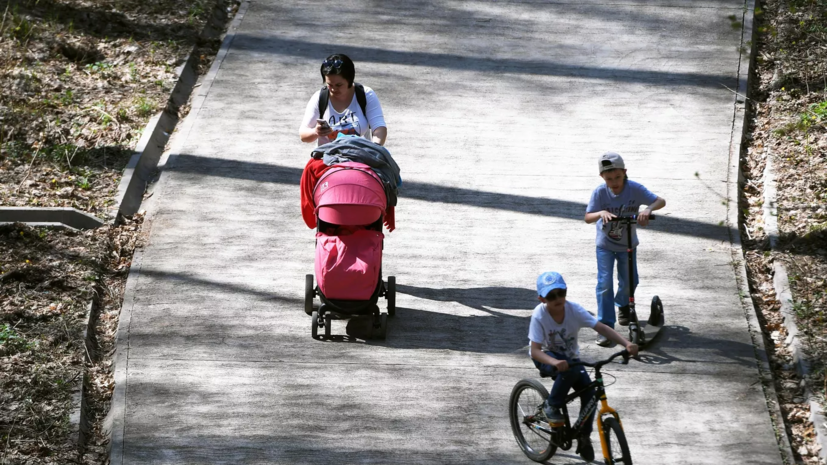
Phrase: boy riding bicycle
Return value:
(552, 333)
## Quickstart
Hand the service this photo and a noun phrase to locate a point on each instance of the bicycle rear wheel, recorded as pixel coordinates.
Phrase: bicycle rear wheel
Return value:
(533, 435)
(616, 442)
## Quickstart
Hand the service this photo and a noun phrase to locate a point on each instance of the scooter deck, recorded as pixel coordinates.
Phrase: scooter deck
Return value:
(651, 332)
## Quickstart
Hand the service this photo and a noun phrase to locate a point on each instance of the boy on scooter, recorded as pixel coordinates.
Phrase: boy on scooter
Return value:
(618, 195)
(552, 334)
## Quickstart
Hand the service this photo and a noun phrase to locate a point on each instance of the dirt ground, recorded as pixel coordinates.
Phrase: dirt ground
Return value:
(789, 126)
(79, 79)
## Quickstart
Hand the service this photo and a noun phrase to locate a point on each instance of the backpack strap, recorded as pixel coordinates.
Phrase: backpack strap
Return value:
(324, 99)
(360, 97)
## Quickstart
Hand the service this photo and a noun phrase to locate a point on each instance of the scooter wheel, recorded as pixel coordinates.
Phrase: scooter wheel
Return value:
(656, 317)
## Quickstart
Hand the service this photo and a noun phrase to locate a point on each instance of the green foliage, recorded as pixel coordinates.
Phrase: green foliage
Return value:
(196, 11)
(21, 27)
(67, 97)
(99, 67)
(816, 114)
(12, 342)
(144, 107)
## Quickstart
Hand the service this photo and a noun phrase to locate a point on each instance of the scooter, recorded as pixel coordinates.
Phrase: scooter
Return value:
(637, 330)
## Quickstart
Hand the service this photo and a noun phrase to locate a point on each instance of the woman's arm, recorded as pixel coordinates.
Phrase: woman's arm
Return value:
(379, 135)
(310, 130)
(312, 134)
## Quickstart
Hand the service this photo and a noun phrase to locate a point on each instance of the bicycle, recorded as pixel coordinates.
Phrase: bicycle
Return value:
(540, 439)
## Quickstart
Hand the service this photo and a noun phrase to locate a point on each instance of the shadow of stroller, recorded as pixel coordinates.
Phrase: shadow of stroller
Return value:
(415, 328)
(479, 298)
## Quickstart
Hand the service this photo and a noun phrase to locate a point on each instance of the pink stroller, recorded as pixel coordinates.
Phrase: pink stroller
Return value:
(350, 202)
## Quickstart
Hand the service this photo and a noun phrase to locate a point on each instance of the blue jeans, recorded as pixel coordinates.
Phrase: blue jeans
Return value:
(606, 298)
(574, 378)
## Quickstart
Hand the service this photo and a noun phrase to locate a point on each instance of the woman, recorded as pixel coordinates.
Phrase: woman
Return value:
(350, 108)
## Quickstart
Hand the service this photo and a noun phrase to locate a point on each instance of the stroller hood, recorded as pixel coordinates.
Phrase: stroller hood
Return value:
(350, 193)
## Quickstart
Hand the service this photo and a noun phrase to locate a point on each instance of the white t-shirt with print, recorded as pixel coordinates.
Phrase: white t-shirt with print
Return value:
(353, 114)
(559, 337)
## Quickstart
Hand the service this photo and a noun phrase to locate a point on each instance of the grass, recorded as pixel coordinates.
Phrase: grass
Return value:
(144, 107)
(11, 342)
(814, 115)
(99, 67)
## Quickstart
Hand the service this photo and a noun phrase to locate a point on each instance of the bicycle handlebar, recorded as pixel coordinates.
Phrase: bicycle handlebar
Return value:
(623, 353)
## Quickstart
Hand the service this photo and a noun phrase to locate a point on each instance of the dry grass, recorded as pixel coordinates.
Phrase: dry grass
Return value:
(79, 79)
(789, 126)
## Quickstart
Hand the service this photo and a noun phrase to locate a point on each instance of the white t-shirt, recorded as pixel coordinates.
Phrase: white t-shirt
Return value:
(559, 337)
(353, 114)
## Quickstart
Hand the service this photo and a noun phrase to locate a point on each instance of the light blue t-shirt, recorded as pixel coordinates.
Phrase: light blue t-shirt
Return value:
(633, 195)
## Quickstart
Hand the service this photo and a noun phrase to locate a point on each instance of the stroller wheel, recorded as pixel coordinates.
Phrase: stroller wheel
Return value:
(314, 324)
(327, 319)
(391, 295)
(383, 327)
(309, 293)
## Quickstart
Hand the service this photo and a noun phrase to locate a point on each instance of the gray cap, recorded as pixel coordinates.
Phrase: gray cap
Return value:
(610, 161)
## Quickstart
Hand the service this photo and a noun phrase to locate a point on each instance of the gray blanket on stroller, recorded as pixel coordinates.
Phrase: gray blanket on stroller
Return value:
(361, 150)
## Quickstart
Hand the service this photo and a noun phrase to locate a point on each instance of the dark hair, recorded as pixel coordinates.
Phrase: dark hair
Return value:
(625, 176)
(344, 67)
(555, 294)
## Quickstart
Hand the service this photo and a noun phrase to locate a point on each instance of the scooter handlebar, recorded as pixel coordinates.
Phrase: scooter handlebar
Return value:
(630, 218)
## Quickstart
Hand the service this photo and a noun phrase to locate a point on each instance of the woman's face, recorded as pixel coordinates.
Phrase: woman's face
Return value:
(337, 85)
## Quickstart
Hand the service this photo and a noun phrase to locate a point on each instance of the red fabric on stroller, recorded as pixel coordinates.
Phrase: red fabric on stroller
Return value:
(347, 266)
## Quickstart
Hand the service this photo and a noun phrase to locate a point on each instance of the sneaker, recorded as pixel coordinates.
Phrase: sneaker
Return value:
(623, 315)
(553, 414)
(585, 449)
(602, 341)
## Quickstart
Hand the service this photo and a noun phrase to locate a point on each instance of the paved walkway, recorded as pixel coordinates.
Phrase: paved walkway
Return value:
(497, 112)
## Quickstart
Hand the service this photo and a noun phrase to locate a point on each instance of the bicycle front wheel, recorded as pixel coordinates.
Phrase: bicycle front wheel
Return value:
(532, 434)
(616, 444)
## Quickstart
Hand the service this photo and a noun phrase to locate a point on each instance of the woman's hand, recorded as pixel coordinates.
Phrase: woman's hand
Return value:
(322, 130)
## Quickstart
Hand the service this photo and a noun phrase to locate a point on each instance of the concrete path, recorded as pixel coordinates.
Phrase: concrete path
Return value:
(497, 112)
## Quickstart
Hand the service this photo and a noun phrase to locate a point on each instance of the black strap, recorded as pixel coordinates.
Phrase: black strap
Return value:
(324, 99)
